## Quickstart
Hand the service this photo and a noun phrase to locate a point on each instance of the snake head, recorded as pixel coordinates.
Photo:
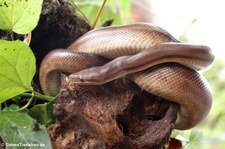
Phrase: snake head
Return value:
(86, 77)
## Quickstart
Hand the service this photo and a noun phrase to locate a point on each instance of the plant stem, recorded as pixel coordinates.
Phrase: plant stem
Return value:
(32, 95)
(40, 96)
(75, 6)
(37, 95)
(28, 103)
(98, 14)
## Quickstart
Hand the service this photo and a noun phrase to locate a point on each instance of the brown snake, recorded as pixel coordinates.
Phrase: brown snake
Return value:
(149, 55)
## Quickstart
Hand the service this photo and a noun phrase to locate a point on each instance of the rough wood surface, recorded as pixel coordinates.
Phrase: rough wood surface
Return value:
(114, 115)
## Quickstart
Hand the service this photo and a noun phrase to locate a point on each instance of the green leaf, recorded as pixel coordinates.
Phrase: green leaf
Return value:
(21, 130)
(12, 107)
(20, 16)
(17, 68)
(43, 113)
(16, 99)
(10, 91)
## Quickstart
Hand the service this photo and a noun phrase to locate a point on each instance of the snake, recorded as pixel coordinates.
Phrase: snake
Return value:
(147, 54)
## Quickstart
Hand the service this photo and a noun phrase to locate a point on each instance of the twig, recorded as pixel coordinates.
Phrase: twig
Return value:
(98, 14)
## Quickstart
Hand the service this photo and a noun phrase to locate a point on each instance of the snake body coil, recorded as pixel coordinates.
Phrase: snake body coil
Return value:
(149, 55)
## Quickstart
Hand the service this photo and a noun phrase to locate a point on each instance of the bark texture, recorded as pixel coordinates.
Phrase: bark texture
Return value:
(114, 115)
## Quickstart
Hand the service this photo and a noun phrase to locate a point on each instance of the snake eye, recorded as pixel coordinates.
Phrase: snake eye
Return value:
(81, 78)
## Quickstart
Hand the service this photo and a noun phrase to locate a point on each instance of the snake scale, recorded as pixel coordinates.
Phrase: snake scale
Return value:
(149, 55)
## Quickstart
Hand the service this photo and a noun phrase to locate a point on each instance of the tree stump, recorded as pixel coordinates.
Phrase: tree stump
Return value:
(114, 115)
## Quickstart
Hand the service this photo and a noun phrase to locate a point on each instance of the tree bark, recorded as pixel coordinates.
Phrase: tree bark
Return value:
(113, 115)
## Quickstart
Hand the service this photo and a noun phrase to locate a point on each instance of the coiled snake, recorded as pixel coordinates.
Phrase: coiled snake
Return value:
(149, 55)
